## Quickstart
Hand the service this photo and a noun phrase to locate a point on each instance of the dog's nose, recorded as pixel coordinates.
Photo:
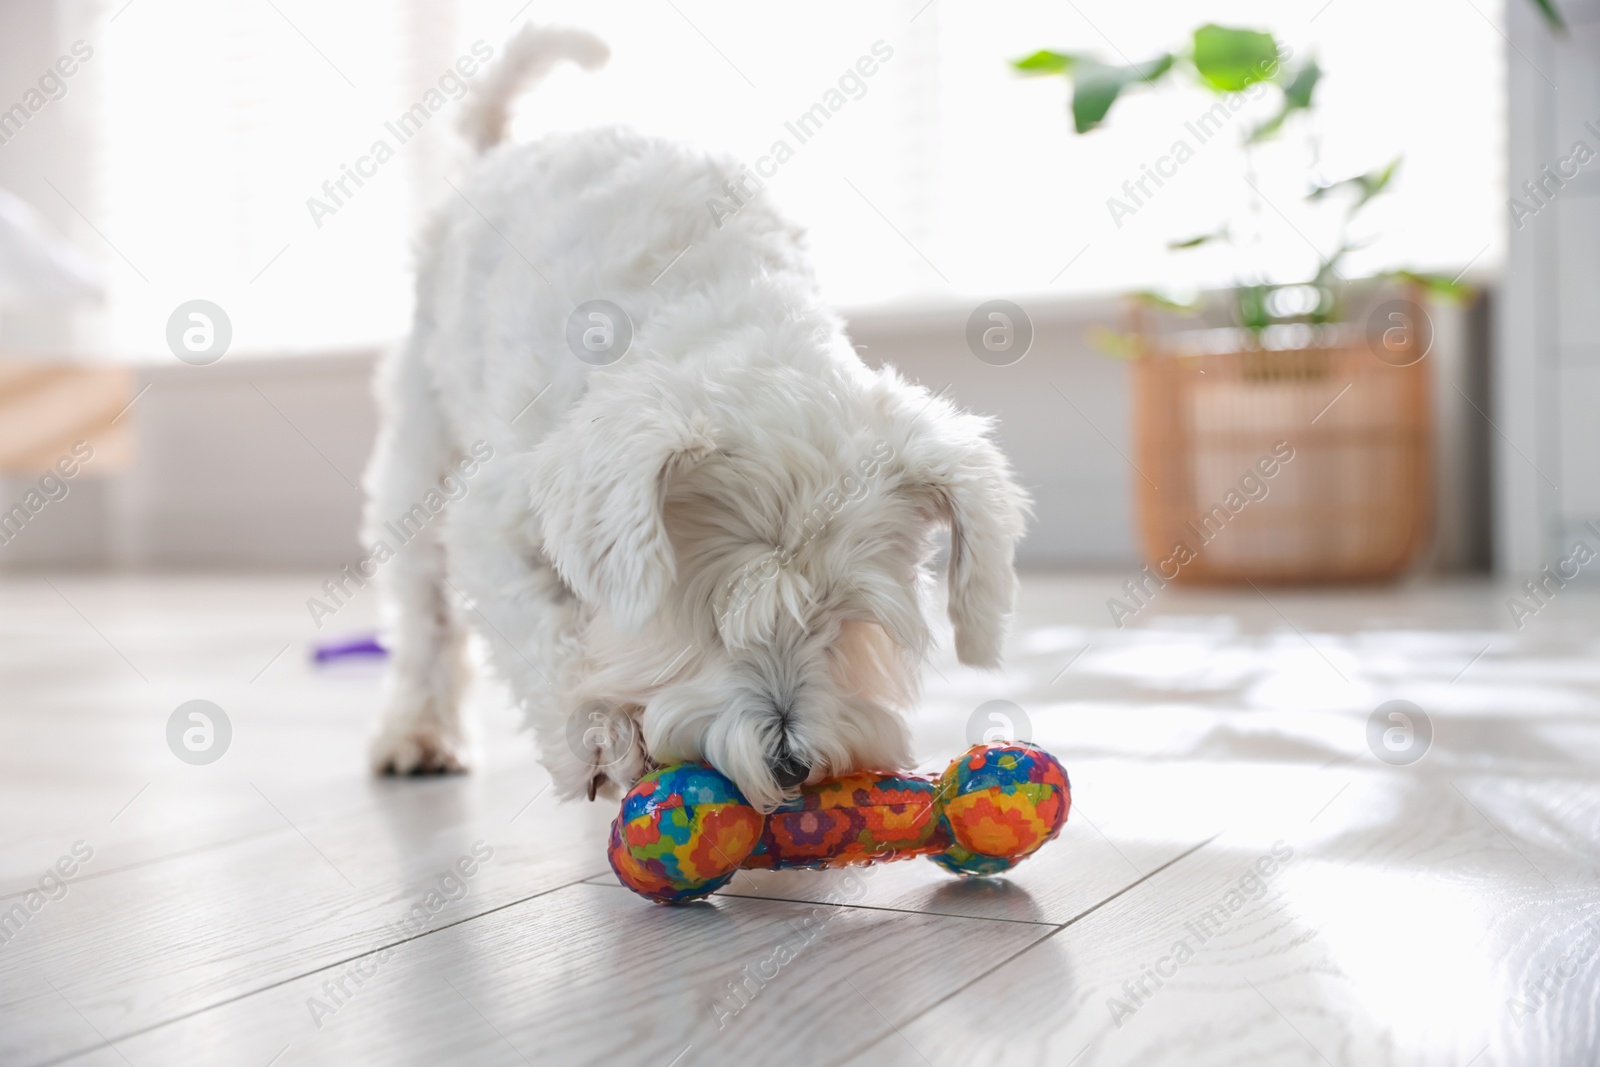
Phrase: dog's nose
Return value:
(790, 772)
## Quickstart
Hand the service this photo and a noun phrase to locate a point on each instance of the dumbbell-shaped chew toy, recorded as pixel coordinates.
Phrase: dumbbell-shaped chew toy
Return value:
(684, 830)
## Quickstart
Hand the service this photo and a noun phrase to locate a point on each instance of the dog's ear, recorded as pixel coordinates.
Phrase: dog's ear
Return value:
(599, 483)
(965, 482)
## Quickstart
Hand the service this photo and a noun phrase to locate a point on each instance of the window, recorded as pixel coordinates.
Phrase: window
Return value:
(940, 176)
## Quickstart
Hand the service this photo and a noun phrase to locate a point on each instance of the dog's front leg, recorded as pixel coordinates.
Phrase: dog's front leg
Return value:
(531, 623)
(421, 729)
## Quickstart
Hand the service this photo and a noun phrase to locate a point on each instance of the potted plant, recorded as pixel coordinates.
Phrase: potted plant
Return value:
(1284, 432)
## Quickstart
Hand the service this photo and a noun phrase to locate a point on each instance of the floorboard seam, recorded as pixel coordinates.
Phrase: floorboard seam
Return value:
(165, 858)
(1030, 946)
(184, 853)
(315, 970)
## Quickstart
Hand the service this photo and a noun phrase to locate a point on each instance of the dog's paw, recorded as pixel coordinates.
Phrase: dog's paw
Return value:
(608, 747)
(420, 750)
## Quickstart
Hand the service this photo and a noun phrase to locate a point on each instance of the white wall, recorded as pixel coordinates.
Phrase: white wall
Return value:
(239, 464)
(245, 463)
(1068, 459)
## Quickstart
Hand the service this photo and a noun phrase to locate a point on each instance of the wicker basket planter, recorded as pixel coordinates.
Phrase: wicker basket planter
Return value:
(1300, 465)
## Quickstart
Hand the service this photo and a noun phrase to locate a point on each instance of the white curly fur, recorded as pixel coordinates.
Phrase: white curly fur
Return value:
(715, 548)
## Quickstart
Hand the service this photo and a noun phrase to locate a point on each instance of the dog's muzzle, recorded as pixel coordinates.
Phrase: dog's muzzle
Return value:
(790, 772)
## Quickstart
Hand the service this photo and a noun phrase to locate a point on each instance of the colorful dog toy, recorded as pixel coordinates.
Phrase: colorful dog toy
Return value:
(685, 830)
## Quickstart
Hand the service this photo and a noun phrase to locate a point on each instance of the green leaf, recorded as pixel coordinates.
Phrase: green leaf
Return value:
(1167, 303)
(1096, 86)
(1438, 285)
(1250, 304)
(1297, 90)
(1270, 128)
(1196, 242)
(1547, 8)
(1378, 181)
(1045, 61)
(1229, 60)
(1366, 185)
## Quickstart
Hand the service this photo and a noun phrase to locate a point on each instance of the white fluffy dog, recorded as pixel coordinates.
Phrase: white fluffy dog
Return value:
(715, 547)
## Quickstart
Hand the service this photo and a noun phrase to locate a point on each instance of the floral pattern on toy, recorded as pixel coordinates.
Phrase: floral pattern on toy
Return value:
(682, 833)
(850, 820)
(1000, 803)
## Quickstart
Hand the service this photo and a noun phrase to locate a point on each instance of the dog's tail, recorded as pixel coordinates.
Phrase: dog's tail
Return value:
(530, 55)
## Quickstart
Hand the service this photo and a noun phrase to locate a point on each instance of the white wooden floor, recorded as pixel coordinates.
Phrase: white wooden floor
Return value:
(250, 911)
